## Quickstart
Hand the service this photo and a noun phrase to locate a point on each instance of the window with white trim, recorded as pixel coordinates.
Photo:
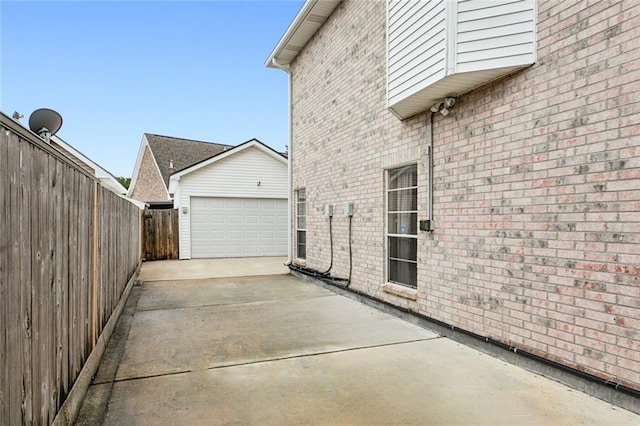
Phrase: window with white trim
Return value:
(402, 225)
(301, 224)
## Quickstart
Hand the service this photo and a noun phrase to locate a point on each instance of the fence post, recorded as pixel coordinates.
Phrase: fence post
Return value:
(94, 268)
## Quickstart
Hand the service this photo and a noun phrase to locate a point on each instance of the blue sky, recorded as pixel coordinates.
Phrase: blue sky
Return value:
(117, 69)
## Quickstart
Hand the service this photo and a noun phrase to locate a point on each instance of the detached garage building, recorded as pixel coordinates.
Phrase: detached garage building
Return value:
(233, 204)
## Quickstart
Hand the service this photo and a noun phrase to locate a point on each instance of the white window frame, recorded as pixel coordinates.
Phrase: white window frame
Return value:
(301, 225)
(389, 235)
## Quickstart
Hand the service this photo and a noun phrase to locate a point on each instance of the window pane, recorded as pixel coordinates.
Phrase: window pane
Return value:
(302, 195)
(403, 200)
(302, 209)
(403, 248)
(403, 223)
(301, 245)
(403, 273)
(403, 177)
(302, 222)
(302, 251)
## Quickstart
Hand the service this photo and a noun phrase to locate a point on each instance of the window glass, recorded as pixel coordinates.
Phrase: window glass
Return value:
(403, 273)
(403, 248)
(403, 177)
(301, 224)
(402, 225)
(403, 200)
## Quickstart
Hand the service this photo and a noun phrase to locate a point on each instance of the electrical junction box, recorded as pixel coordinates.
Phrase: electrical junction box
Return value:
(328, 210)
(425, 225)
(348, 209)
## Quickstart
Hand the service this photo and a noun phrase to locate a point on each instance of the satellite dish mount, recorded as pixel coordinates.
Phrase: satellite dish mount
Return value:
(45, 123)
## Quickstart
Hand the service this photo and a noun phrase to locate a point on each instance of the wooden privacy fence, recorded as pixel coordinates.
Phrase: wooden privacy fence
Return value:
(68, 247)
(160, 239)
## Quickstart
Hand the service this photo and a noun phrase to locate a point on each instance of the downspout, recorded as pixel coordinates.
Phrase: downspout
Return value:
(287, 69)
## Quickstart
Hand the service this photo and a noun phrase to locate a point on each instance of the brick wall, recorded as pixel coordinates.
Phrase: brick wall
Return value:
(149, 185)
(536, 183)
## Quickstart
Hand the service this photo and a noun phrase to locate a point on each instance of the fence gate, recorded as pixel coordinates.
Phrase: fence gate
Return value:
(160, 234)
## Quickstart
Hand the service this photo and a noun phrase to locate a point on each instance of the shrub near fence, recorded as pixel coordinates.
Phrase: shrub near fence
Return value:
(68, 247)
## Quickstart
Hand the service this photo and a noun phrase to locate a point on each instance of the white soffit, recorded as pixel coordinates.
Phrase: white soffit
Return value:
(309, 19)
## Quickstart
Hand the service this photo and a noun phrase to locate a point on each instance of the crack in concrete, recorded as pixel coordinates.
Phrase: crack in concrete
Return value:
(380, 345)
(262, 361)
(257, 302)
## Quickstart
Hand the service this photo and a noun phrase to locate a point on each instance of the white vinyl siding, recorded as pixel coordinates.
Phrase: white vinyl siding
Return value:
(442, 48)
(494, 34)
(236, 176)
(416, 46)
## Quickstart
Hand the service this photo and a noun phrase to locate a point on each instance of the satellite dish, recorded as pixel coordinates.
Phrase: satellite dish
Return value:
(45, 122)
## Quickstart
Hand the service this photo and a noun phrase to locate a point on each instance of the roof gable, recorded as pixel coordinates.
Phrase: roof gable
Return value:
(180, 153)
(253, 143)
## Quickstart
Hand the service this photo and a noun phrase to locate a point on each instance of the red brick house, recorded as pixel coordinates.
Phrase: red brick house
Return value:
(482, 160)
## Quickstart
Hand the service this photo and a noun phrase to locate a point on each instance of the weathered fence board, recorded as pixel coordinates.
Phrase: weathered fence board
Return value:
(68, 247)
(3, 264)
(160, 234)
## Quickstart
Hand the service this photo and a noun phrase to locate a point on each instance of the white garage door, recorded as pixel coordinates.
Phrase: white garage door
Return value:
(238, 227)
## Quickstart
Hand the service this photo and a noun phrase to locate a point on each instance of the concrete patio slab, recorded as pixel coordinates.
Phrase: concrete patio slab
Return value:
(211, 268)
(230, 333)
(420, 383)
(278, 350)
(229, 291)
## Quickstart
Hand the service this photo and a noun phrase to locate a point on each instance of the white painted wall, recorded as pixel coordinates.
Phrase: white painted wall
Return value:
(236, 176)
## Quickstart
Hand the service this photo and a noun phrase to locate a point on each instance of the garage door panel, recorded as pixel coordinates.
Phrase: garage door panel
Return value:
(255, 203)
(218, 252)
(233, 227)
(214, 203)
(217, 219)
(231, 203)
(199, 218)
(252, 219)
(251, 250)
(233, 251)
(268, 220)
(206, 236)
(234, 235)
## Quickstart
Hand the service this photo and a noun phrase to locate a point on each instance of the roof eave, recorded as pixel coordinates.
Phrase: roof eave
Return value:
(311, 16)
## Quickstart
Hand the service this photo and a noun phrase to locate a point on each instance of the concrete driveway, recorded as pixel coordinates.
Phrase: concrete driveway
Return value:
(224, 348)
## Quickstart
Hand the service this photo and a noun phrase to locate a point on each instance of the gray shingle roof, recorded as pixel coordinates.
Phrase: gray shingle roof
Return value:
(182, 152)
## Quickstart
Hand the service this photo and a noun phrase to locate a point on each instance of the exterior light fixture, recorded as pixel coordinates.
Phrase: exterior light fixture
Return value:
(444, 106)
